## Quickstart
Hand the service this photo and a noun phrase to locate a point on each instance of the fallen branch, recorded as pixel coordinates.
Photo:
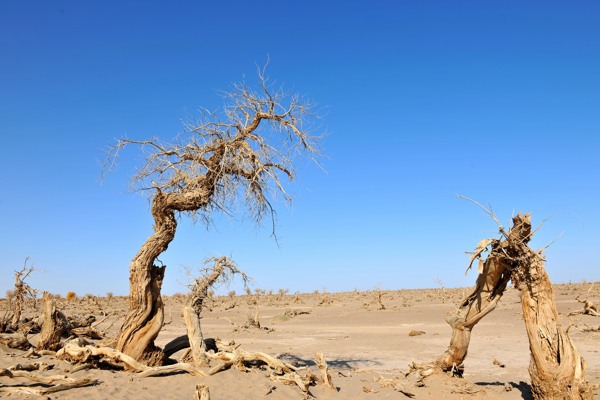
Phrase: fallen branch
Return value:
(69, 383)
(241, 357)
(15, 342)
(75, 353)
(589, 308)
(52, 389)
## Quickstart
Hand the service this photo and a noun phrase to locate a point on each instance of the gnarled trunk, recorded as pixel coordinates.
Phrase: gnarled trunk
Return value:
(146, 310)
(489, 288)
(494, 275)
(557, 370)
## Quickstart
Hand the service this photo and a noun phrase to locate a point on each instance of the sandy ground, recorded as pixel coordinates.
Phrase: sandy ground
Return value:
(365, 347)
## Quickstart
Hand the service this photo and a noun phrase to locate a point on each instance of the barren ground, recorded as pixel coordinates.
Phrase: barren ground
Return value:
(364, 346)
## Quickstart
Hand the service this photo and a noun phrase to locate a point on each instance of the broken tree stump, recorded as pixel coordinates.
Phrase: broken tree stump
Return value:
(54, 325)
(202, 392)
(194, 334)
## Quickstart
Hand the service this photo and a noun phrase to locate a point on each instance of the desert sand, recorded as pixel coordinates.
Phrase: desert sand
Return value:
(368, 349)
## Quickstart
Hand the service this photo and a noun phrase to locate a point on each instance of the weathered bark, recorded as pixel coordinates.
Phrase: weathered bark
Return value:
(202, 392)
(74, 353)
(219, 161)
(54, 325)
(146, 310)
(557, 370)
(19, 298)
(194, 333)
(145, 317)
(494, 275)
(15, 342)
(325, 375)
(20, 293)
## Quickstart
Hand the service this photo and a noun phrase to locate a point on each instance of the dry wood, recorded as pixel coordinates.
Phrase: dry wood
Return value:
(31, 367)
(33, 377)
(494, 275)
(68, 383)
(220, 161)
(202, 392)
(77, 383)
(395, 384)
(194, 333)
(54, 325)
(293, 378)
(222, 271)
(15, 342)
(325, 375)
(75, 353)
(20, 293)
(589, 308)
(557, 369)
(239, 357)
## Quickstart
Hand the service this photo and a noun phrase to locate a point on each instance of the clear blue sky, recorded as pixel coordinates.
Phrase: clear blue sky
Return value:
(498, 101)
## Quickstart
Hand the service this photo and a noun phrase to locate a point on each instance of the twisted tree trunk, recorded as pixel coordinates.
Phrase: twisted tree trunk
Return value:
(557, 370)
(145, 317)
(490, 287)
(494, 275)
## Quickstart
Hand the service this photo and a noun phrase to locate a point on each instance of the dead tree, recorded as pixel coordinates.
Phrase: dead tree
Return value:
(557, 370)
(494, 275)
(222, 271)
(55, 324)
(20, 294)
(239, 156)
(589, 308)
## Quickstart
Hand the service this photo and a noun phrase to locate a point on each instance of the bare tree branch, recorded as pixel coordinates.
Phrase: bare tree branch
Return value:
(238, 158)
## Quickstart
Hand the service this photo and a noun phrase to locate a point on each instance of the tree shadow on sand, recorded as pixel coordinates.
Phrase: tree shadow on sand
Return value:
(522, 387)
(339, 364)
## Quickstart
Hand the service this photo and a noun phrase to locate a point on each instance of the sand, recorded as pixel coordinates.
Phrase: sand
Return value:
(367, 348)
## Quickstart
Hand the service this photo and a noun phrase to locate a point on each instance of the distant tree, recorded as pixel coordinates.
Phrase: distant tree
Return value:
(240, 156)
(18, 296)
